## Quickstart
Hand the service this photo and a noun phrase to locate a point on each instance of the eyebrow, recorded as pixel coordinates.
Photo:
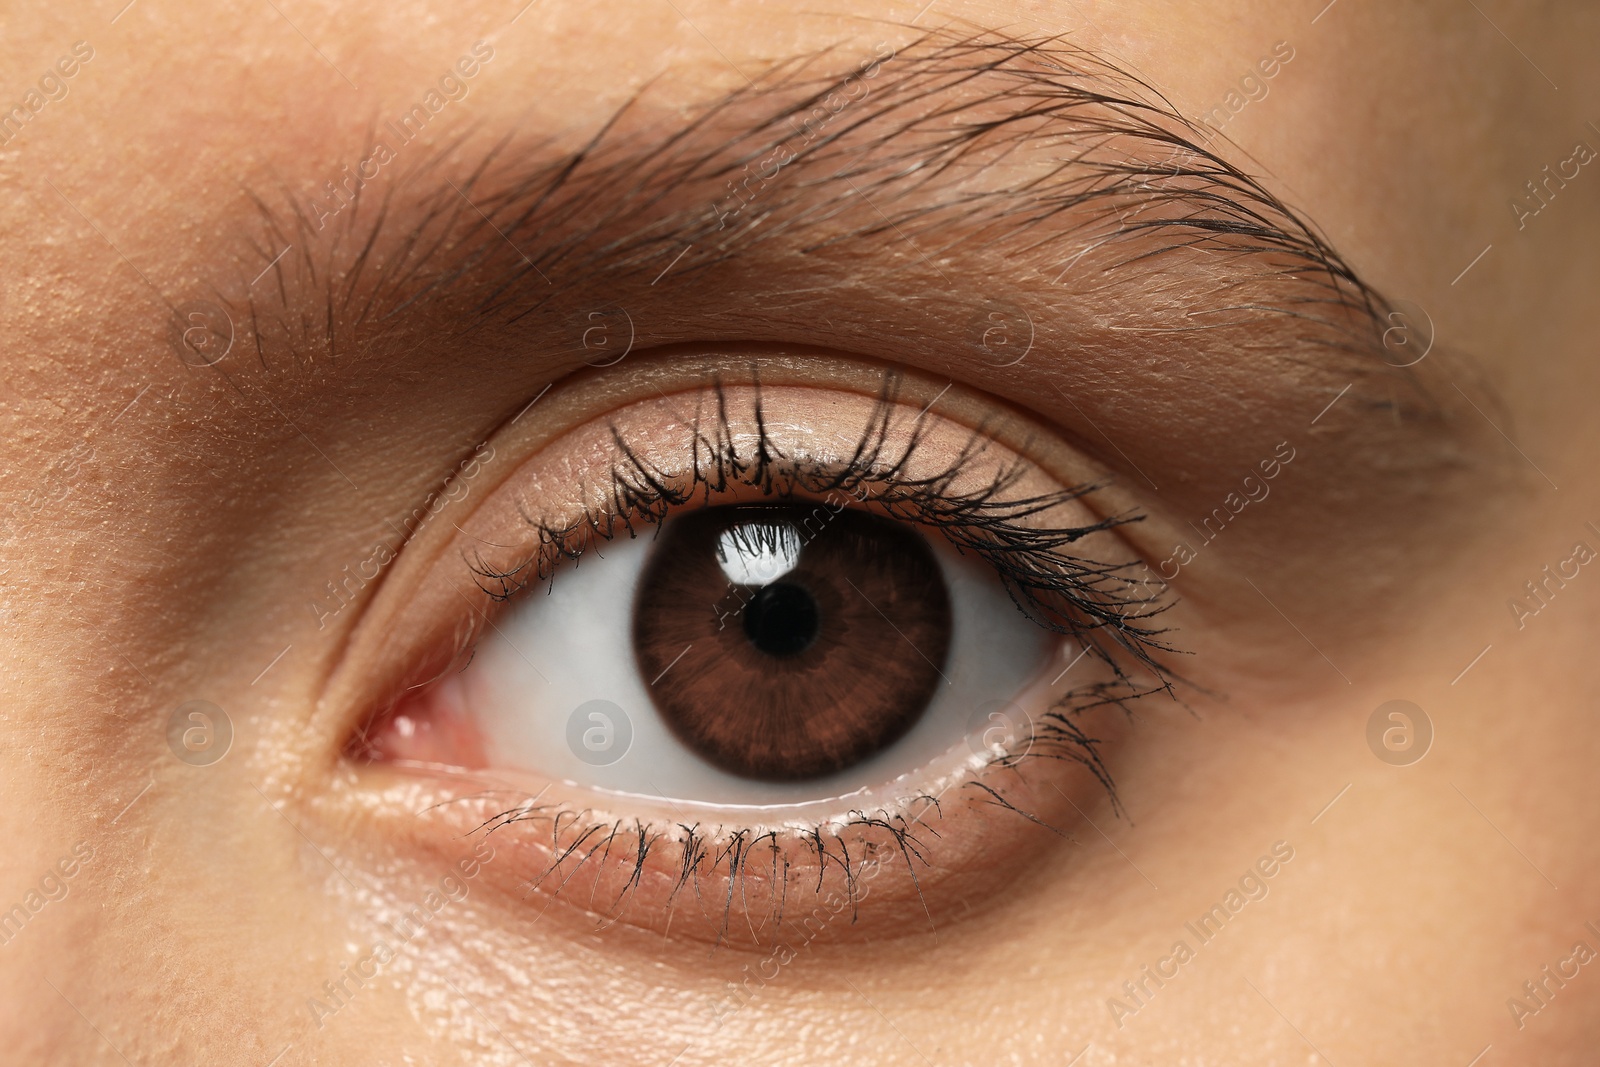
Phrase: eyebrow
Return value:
(1035, 152)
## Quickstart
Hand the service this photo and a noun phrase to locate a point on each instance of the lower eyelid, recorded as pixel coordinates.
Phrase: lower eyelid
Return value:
(878, 873)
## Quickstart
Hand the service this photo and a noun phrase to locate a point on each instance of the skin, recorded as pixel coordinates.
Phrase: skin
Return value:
(169, 559)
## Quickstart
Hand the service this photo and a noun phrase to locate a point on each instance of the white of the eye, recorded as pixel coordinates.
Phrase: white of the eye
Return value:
(756, 553)
(533, 679)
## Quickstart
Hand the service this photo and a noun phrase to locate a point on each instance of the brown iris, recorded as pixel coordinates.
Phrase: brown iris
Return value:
(790, 641)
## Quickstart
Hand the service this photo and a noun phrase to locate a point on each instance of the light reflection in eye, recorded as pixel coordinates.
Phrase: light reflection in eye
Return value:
(756, 553)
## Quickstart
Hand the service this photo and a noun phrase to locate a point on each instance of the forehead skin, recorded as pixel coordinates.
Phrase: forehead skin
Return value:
(1402, 132)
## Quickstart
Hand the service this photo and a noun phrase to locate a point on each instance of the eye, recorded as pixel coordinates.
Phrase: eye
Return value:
(751, 655)
(779, 641)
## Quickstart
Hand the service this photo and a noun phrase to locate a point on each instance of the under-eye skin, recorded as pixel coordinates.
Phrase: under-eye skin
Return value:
(778, 644)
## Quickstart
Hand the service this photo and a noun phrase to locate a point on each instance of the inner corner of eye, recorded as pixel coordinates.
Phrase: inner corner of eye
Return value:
(428, 726)
(786, 652)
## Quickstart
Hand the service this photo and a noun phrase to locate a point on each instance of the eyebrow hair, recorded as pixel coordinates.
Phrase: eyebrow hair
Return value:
(1109, 185)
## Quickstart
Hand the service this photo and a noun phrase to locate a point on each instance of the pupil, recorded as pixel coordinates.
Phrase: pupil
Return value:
(782, 620)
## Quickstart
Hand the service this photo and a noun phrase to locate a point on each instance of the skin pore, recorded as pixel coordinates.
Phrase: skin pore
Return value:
(170, 516)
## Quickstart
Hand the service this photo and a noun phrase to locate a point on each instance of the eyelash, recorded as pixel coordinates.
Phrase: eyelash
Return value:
(1063, 593)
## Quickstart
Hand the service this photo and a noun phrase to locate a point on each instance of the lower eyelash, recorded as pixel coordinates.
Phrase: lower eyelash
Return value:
(739, 851)
(1099, 605)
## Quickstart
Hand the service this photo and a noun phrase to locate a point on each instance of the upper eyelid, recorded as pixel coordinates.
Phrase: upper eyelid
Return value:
(624, 204)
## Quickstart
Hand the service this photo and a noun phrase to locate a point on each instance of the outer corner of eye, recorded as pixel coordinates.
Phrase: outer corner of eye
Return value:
(780, 698)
